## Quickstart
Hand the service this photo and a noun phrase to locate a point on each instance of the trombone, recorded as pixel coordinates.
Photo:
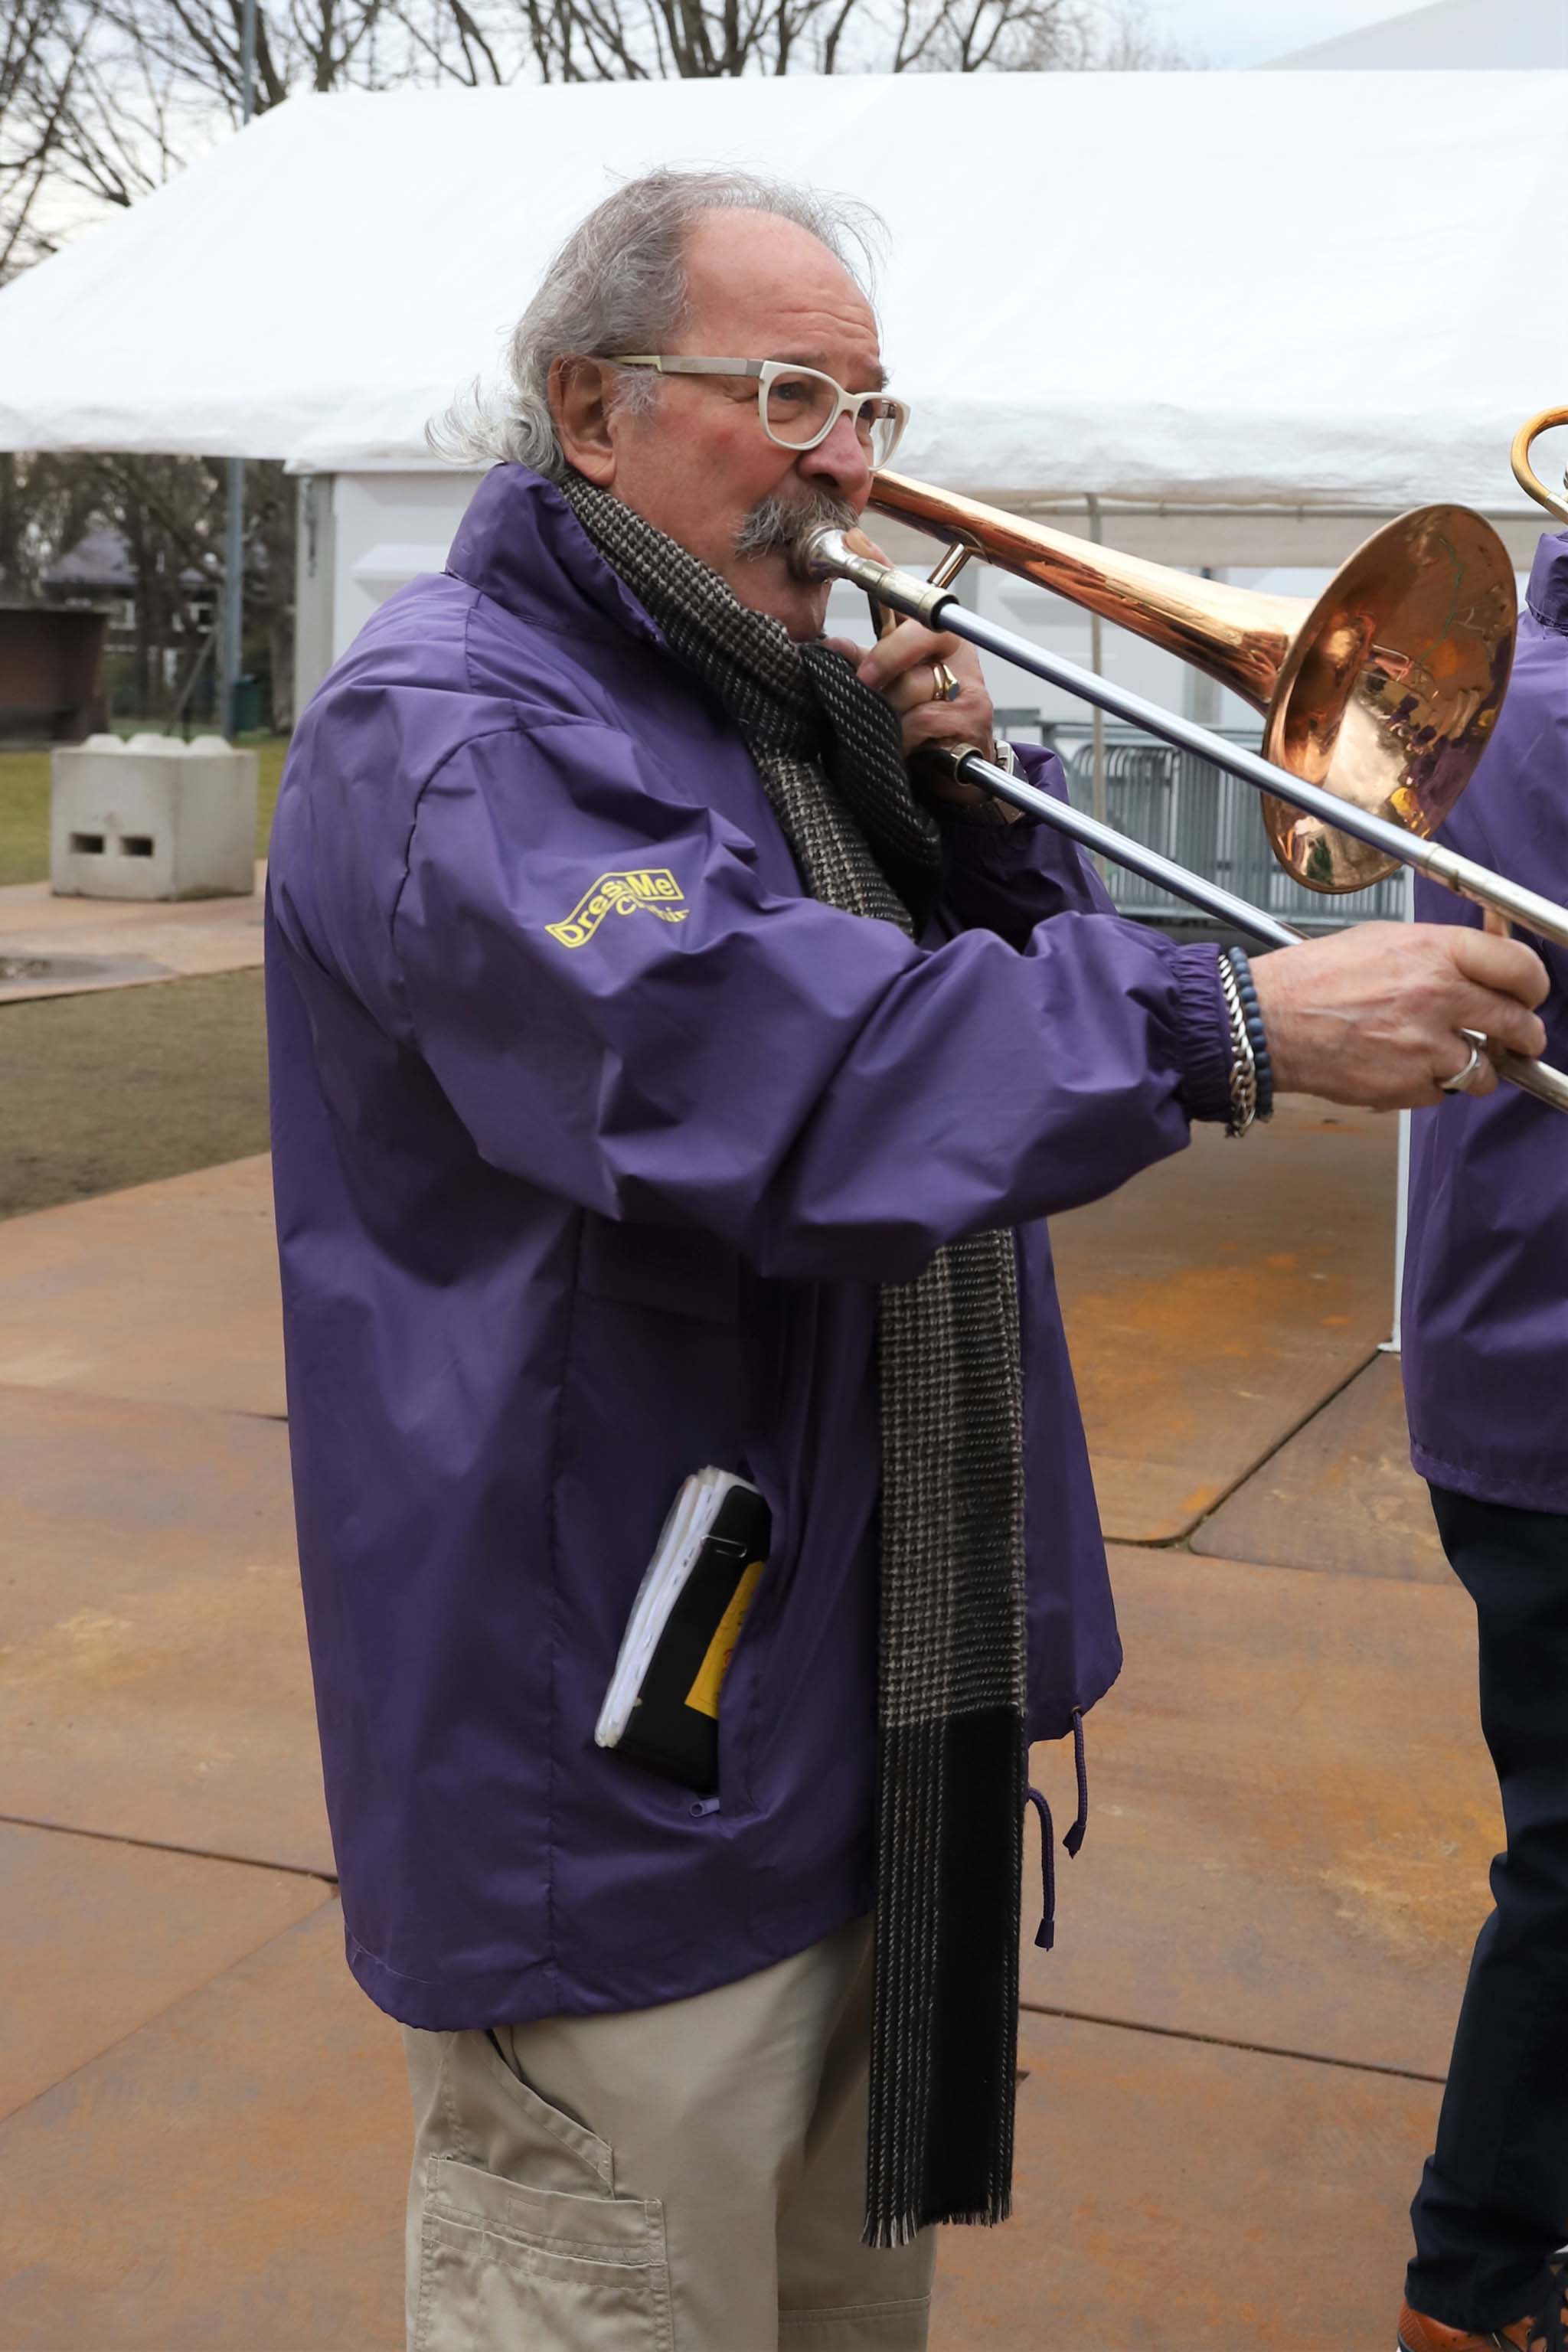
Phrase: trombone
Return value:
(1524, 473)
(1379, 697)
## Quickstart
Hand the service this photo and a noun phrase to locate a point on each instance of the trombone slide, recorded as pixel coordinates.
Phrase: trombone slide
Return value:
(828, 556)
(1538, 1078)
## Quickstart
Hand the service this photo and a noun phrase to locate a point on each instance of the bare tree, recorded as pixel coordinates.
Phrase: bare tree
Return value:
(100, 100)
(42, 45)
(636, 40)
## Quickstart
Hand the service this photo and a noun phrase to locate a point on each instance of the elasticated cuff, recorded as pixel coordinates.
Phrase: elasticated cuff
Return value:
(1204, 1040)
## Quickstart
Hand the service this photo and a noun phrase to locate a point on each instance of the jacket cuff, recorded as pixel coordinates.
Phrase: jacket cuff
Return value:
(1202, 1037)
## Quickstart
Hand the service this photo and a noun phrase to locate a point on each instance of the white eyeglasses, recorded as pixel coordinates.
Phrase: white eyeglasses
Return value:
(799, 406)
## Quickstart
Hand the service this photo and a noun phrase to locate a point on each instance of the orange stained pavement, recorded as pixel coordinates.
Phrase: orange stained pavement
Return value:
(1215, 1303)
(164, 1294)
(153, 1683)
(1231, 2056)
(63, 947)
(1338, 1494)
(1284, 1850)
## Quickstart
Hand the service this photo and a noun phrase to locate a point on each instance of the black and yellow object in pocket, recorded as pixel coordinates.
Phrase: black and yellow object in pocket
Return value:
(662, 1711)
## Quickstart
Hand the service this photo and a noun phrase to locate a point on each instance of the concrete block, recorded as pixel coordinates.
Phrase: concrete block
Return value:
(153, 818)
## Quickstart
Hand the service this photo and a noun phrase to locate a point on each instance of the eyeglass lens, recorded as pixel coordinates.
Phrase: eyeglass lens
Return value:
(800, 407)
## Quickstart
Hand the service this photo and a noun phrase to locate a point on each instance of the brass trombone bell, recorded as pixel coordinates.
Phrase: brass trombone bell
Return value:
(1384, 691)
(1524, 473)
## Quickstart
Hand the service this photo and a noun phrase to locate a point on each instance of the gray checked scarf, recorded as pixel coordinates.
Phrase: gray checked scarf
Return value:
(951, 1753)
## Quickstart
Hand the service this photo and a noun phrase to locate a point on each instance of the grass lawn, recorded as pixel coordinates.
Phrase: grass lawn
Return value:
(24, 806)
(24, 816)
(124, 1084)
(128, 1084)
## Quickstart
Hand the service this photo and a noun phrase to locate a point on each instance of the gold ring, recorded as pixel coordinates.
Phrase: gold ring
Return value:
(944, 686)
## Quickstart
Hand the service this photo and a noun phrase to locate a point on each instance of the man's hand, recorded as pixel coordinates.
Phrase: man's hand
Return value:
(899, 669)
(1372, 1016)
(901, 665)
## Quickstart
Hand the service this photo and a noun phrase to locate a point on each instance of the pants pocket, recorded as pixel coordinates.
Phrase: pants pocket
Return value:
(506, 2268)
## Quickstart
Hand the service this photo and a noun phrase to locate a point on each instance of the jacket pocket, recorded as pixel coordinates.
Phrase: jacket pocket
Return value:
(503, 2266)
(667, 1267)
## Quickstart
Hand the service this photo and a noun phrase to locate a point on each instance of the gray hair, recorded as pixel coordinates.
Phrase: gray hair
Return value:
(618, 284)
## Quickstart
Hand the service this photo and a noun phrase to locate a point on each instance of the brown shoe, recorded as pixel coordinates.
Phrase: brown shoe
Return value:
(1419, 2334)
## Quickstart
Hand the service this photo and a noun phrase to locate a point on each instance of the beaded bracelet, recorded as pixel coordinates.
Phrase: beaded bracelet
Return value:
(1257, 1036)
(1243, 1066)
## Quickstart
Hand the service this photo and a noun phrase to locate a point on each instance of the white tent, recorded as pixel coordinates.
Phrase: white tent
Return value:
(1234, 296)
(1210, 286)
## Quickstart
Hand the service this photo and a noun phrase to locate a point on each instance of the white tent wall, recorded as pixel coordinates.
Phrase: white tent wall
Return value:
(363, 535)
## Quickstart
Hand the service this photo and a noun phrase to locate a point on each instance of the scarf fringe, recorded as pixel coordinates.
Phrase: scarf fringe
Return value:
(907, 2226)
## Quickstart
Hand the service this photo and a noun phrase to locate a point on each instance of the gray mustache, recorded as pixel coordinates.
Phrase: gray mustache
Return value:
(788, 523)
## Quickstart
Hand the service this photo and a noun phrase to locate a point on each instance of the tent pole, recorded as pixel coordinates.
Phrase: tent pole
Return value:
(1393, 1344)
(234, 517)
(1097, 722)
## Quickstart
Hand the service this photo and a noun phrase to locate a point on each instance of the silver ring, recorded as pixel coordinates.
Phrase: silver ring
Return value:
(944, 686)
(1459, 1084)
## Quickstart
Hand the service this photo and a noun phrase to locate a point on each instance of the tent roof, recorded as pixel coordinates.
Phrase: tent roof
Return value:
(1450, 34)
(1225, 287)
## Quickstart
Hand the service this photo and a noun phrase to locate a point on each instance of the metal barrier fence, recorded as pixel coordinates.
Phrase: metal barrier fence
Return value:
(1177, 804)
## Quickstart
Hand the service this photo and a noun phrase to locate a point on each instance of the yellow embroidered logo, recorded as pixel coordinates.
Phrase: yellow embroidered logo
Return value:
(640, 889)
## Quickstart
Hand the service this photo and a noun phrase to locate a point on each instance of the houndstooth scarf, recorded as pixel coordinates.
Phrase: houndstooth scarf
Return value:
(951, 1755)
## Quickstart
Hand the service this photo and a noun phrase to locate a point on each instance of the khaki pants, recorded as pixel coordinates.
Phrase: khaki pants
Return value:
(687, 2179)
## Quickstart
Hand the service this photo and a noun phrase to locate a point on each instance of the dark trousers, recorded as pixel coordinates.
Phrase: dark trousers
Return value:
(1493, 2201)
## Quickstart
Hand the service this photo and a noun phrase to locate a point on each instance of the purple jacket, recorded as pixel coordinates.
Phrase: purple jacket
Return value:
(1485, 1319)
(592, 1141)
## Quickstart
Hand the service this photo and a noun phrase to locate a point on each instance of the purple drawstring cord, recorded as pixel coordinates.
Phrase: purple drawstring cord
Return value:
(1045, 1933)
(1074, 1837)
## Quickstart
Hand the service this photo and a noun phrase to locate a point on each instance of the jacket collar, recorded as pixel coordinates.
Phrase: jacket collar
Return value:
(1547, 594)
(521, 544)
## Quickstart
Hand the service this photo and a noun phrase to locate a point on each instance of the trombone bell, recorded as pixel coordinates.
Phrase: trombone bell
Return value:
(1384, 691)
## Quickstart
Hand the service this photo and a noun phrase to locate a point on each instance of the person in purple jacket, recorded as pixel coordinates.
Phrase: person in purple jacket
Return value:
(658, 1084)
(1485, 1330)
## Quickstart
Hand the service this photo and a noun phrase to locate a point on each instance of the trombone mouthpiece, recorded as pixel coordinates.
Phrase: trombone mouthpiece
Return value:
(827, 555)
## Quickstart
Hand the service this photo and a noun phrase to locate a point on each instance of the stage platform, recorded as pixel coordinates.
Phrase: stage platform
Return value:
(1234, 2054)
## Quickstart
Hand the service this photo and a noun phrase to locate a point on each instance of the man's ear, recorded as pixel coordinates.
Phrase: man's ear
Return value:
(580, 404)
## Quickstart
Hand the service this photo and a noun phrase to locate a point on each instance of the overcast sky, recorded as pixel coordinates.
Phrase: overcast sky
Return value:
(1242, 32)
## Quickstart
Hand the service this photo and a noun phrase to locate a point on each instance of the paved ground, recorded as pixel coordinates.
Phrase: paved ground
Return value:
(62, 947)
(1233, 2056)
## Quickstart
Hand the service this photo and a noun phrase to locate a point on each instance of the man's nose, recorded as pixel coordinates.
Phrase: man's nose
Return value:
(842, 459)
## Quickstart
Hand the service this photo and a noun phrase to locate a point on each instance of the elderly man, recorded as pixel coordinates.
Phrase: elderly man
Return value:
(659, 1085)
(1485, 1373)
